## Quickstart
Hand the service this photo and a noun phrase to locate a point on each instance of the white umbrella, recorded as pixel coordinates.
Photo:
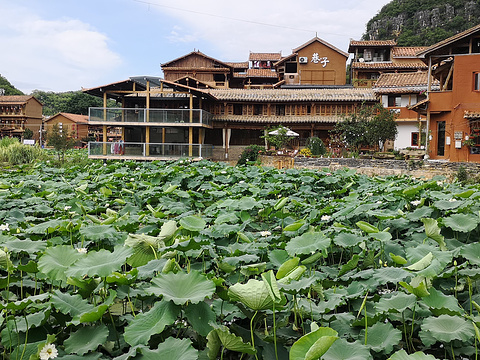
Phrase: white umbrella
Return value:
(288, 133)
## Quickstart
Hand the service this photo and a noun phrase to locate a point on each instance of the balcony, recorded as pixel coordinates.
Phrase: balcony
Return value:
(144, 117)
(148, 151)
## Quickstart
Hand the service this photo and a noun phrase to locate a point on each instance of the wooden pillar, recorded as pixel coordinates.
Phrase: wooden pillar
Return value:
(147, 119)
(190, 129)
(147, 141)
(163, 140)
(104, 139)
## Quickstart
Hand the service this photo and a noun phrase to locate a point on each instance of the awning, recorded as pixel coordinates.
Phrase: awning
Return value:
(288, 133)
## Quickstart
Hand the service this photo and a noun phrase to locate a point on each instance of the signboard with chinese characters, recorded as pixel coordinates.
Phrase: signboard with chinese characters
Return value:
(322, 60)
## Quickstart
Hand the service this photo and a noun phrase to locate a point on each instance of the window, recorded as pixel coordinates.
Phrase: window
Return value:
(415, 139)
(237, 109)
(257, 109)
(394, 101)
(280, 110)
(476, 85)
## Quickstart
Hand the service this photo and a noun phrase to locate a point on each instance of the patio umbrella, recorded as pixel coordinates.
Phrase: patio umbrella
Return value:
(288, 133)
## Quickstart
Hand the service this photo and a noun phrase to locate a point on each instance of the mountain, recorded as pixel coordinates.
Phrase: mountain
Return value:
(422, 23)
(9, 88)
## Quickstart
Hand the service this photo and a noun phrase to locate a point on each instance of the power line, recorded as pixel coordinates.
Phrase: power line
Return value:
(234, 19)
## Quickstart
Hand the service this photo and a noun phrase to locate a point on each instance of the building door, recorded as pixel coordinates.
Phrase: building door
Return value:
(441, 138)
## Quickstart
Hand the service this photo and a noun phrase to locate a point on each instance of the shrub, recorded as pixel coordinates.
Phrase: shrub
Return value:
(250, 154)
(7, 141)
(305, 152)
(17, 153)
(462, 175)
(316, 146)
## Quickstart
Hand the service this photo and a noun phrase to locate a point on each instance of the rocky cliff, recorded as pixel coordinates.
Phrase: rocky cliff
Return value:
(422, 23)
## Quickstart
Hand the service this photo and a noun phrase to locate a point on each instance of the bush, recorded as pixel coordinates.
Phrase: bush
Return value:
(250, 154)
(316, 146)
(17, 153)
(305, 152)
(7, 141)
(462, 175)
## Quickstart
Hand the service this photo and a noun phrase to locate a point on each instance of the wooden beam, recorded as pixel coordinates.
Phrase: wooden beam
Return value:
(450, 72)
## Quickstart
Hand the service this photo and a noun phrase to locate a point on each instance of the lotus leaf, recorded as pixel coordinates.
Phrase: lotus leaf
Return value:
(172, 348)
(254, 294)
(343, 350)
(181, 287)
(402, 355)
(313, 345)
(462, 222)
(86, 339)
(307, 243)
(193, 223)
(446, 328)
(57, 260)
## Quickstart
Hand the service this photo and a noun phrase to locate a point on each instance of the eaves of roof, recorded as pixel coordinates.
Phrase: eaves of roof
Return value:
(279, 119)
(472, 114)
(388, 65)
(296, 50)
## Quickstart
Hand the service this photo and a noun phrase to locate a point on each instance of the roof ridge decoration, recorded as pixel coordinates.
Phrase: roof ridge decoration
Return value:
(195, 52)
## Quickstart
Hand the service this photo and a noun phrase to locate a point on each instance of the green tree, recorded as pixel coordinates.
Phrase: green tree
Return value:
(381, 127)
(280, 140)
(79, 102)
(28, 134)
(352, 131)
(60, 141)
(9, 88)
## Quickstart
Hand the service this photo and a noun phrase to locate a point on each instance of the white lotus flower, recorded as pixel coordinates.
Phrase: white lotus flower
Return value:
(67, 208)
(82, 250)
(48, 352)
(325, 217)
(265, 233)
(415, 202)
(4, 227)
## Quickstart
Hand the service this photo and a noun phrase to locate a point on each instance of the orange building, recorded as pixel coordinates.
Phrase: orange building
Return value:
(453, 112)
(20, 112)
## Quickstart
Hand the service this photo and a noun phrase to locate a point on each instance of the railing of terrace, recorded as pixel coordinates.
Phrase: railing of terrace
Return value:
(138, 115)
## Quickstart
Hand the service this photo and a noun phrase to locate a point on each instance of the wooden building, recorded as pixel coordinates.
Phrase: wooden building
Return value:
(375, 57)
(453, 111)
(74, 125)
(163, 119)
(20, 112)
(314, 63)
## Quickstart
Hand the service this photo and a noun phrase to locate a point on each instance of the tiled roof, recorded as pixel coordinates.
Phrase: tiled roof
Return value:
(373, 43)
(15, 99)
(197, 69)
(407, 51)
(76, 118)
(285, 59)
(316, 38)
(404, 83)
(472, 114)
(265, 56)
(449, 41)
(404, 79)
(388, 65)
(293, 95)
(196, 52)
(279, 119)
(261, 73)
(238, 65)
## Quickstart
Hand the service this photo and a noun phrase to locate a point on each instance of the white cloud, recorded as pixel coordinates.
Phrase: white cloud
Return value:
(266, 26)
(58, 55)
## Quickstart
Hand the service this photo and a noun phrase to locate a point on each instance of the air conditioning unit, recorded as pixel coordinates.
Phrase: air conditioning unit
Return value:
(303, 60)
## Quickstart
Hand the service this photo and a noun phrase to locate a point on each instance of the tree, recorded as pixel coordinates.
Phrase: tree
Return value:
(280, 140)
(9, 88)
(381, 127)
(60, 141)
(371, 126)
(28, 133)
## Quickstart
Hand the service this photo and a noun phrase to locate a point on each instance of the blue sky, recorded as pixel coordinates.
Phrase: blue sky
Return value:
(64, 45)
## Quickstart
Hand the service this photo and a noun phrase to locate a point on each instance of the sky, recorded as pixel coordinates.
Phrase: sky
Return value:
(67, 45)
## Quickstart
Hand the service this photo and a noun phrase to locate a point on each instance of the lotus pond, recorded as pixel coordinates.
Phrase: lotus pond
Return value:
(201, 260)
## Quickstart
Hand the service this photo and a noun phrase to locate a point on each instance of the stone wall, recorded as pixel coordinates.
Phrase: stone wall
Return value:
(418, 168)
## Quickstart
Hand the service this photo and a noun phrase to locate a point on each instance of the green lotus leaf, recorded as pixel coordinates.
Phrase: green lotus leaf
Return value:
(422, 263)
(287, 267)
(294, 226)
(438, 300)
(25, 245)
(350, 265)
(46, 227)
(447, 204)
(200, 316)
(181, 287)
(347, 240)
(471, 252)
(172, 348)
(272, 286)
(100, 263)
(419, 355)
(193, 223)
(57, 260)
(432, 230)
(146, 324)
(221, 336)
(72, 305)
(307, 243)
(383, 337)
(397, 259)
(167, 231)
(313, 345)
(99, 232)
(398, 302)
(144, 247)
(254, 294)
(462, 222)
(446, 328)
(85, 339)
(417, 286)
(344, 350)
(5, 262)
(368, 228)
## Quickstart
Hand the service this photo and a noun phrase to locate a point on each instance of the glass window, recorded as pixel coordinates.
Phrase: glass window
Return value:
(415, 139)
(476, 85)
